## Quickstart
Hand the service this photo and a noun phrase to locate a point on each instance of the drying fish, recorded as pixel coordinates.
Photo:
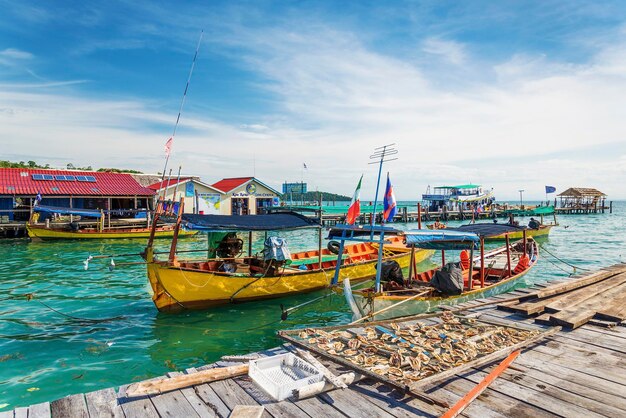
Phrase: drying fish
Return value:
(396, 359)
(354, 343)
(415, 363)
(350, 352)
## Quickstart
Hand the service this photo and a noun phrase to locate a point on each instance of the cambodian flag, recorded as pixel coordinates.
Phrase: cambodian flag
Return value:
(389, 202)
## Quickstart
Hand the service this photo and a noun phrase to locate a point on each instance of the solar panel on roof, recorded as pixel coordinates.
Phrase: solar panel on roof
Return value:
(70, 178)
(91, 179)
(59, 177)
(37, 176)
(81, 178)
(48, 177)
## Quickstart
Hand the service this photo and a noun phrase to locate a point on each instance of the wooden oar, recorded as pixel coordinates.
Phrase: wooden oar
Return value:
(465, 401)
(155, 387)
(372, 315)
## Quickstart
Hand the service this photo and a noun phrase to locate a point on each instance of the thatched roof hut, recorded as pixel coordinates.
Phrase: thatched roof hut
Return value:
(581, 197)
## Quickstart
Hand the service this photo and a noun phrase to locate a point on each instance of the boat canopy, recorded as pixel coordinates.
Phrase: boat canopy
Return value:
(487, 230)
(270, 222)
(442, 239)
(352, 231)
(68, 211)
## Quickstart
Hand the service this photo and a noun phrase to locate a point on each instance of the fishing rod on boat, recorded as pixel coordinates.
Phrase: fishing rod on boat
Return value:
(168, 145)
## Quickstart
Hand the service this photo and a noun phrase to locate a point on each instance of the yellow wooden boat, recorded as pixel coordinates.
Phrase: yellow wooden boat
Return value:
(73, 230)
(41, 232)
(230, 278)
(493, 272)
(540, 232)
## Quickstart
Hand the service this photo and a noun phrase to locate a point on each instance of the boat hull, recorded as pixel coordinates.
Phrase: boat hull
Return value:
(50, 233)
(367, 302)
(543, 231)
(175, 289)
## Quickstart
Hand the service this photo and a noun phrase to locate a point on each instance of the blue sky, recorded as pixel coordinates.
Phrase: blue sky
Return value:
(510, 94)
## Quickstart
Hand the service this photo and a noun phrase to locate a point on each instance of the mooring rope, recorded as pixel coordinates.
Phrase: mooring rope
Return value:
(563, 261)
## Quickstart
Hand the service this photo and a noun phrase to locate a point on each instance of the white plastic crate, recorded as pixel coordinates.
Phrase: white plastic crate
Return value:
(279, 375)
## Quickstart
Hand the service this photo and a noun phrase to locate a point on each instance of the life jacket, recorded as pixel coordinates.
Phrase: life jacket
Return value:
(522, 265)
(465, 259)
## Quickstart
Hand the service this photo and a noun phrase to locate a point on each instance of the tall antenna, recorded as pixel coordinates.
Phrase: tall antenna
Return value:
(381, 154)
(182, 103)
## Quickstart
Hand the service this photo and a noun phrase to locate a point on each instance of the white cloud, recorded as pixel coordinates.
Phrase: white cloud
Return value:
(451, 51)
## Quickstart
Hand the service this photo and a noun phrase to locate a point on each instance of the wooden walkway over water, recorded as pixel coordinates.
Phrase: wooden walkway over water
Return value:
(579, 372)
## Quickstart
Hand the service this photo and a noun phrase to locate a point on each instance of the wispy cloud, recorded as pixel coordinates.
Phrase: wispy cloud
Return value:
(451, 51)
(12, 56)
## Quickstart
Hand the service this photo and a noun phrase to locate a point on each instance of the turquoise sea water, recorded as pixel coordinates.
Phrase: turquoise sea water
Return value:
(84, 330)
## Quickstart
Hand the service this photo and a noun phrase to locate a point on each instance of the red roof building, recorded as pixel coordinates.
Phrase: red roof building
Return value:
(26, 181)
(69, 188)
(231, 183)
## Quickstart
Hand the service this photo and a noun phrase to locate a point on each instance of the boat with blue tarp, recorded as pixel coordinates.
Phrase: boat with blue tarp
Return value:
(472, 276)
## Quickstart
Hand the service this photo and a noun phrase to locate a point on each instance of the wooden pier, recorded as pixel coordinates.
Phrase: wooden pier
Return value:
(579, 372)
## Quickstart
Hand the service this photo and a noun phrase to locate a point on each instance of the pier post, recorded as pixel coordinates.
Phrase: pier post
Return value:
(611, 206)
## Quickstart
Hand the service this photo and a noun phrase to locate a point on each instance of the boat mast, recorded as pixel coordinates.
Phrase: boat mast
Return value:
(380, 154)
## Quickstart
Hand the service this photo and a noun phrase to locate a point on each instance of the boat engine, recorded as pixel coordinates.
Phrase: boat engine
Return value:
(230, 246)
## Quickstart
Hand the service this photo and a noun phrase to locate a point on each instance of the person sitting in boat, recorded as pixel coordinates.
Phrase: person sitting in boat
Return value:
(534, 224)
(439, 225)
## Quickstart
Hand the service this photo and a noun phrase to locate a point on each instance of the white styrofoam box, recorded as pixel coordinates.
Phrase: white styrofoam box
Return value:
(279, 375)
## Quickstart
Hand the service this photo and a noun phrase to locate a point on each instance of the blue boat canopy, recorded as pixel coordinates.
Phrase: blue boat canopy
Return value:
(68, 211)
(352, 231)
(487, 230)
(441, 239)
(270, 222)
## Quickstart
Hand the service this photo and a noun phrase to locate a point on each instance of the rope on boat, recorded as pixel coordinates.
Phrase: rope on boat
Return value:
(563, 261)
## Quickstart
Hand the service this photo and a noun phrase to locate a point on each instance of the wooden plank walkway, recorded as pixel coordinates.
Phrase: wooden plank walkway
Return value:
(579, 372)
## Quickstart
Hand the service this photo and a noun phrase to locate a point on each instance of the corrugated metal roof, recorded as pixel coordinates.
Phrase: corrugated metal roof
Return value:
(229, 184)
(19, 181)
(168, 183)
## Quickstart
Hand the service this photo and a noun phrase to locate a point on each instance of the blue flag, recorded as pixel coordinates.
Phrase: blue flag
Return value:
(389, 202)
(550, 189)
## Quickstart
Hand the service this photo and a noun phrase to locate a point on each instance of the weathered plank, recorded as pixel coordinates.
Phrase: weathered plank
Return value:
(574, 381)
(103, 403)
(354, 404)
(247, 411)
(173, 404)
(202, 409)
(136, 407)
(561, 390)
(39, 410)
(276, 409)
(493, 400)
(21, 412)
(585, 293)
(535, 396)
(393, 401)
(575, 284)
(232, 394)
(7, 414)
(70, 406)
(210, 398)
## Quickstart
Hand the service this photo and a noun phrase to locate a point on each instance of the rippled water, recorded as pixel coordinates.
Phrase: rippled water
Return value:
(87, 330)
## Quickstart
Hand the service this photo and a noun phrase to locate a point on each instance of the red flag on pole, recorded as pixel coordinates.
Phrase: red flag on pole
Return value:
(355, 205)
(168, 146)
